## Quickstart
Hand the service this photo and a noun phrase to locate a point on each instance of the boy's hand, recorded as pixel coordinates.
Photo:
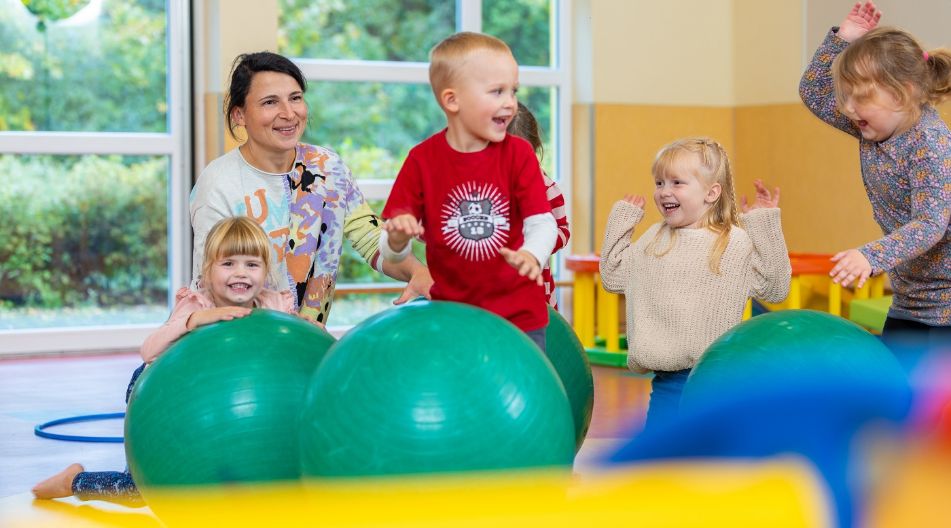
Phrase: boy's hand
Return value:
(851, 266)
(764, 199)
(860, 20)
(213, 315)
(526, 264)
(635, 199)
(401, 229)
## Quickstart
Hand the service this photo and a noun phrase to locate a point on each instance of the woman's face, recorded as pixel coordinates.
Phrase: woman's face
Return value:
(274, 113)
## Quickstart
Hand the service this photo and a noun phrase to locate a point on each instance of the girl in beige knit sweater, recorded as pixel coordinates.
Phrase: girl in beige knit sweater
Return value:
(687, 279)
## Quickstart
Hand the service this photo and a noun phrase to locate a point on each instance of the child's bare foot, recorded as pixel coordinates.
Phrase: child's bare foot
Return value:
(59, 485)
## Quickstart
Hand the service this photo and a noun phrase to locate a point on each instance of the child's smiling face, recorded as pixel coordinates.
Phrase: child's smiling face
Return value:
(680, 196)
(877, 113)
(236, 280)
(484, 101)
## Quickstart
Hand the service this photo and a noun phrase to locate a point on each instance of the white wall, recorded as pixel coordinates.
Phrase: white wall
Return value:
(928, 20)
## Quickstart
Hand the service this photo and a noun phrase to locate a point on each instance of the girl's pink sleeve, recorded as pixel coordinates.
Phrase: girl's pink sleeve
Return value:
(187, 302)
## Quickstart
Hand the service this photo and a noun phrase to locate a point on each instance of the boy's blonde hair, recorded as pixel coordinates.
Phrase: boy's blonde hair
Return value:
(447, 58)
(893, 60)
(236, 235)
(713, 166)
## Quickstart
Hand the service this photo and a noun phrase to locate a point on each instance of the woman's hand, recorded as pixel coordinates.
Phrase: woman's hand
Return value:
(418, 286)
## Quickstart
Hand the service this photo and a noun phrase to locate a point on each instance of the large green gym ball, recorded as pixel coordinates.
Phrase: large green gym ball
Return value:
(434, 387)
(222, 404)
(570, 360)
(789, 348)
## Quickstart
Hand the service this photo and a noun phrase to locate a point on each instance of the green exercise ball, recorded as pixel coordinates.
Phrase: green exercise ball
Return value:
(787, 348)
(222, 404)
(570, 360)
(434, 387)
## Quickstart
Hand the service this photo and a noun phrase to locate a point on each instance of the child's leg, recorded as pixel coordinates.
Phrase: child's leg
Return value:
(135, 375)
(538, 337)
(59, 485)
(112, 486)
(666, 389)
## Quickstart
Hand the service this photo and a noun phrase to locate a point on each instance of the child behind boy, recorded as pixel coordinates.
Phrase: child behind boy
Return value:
(477, 190)
(525, 125)
(233, 275)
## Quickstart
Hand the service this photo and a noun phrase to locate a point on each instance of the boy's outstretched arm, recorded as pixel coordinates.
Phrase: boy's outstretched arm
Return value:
(396, 235)
(526, 264)
(541, 233)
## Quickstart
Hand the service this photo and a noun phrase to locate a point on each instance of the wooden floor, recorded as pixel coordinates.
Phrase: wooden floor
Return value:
(33, 391)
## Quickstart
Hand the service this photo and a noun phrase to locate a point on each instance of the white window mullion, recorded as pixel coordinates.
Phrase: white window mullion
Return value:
(85, 143)
(366, 71)
(469, 15)
(179, 228)
(375, 189)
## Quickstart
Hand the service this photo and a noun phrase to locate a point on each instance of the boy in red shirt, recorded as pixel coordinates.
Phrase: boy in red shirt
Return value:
(477, 190)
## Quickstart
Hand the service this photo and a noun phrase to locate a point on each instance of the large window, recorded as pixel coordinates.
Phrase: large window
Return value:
(93, 148)
(369, 97)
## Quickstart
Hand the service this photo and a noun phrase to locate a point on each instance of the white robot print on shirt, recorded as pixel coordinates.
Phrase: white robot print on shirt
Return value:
(475, 220)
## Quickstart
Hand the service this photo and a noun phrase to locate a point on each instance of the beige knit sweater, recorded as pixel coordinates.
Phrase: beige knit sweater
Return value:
(677, 306)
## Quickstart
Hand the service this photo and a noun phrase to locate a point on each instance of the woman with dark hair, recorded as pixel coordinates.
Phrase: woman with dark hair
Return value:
(304, 196)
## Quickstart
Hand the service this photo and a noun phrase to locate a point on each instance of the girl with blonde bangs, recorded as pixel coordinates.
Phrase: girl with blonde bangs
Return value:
(233, 282)
(686, 280)
(236, 236)
(714, 167)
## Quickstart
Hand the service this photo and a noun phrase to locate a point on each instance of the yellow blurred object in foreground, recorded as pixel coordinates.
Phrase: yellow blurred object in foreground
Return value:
(779, 493)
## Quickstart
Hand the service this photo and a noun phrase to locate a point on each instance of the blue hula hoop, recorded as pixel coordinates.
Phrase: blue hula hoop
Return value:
(40, 431)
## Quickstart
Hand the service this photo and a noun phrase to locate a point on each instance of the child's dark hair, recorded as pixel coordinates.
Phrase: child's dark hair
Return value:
(243, 70)
(524, 125)
(892, 59)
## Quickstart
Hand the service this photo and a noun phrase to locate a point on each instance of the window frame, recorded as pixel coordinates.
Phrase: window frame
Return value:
(175, 144)
(469, 18)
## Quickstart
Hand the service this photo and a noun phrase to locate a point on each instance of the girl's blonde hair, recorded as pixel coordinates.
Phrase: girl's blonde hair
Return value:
(713, 166)
(236, 235)
(892, 59)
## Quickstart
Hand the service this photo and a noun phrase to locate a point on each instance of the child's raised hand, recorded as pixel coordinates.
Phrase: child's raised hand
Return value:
(764, 199)
(526, 264)
(851, 266)
(635, 199)
(860, 20)
(400, 229)
(213, 315)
